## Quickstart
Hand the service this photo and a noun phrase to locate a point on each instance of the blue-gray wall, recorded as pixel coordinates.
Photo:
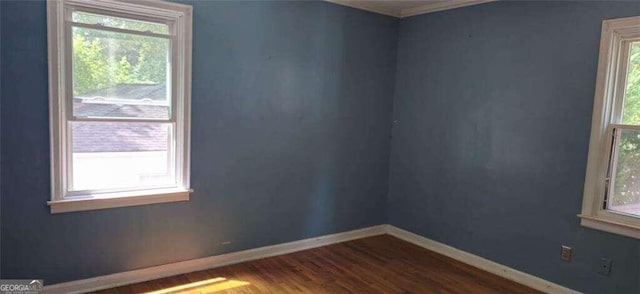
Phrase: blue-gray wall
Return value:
(492, 117)
(291, 127)
(291, 124)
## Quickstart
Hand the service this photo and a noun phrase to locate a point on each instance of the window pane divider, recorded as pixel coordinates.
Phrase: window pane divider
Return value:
(122, 120)
(628, 127)
(118, 30)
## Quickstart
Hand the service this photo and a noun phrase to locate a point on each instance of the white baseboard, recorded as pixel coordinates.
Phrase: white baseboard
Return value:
(479, 262)
(183, 267)
(157, 272)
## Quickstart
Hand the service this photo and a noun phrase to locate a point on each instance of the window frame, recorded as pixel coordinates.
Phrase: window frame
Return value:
(178, 17)
(616, 38)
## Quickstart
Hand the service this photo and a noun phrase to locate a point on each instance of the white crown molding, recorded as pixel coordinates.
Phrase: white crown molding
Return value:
(167, 270)
(367, 7)
(479, 262)
(439, 6)
(401, 13)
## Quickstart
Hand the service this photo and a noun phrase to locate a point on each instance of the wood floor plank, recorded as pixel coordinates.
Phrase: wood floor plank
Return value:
(380, 264)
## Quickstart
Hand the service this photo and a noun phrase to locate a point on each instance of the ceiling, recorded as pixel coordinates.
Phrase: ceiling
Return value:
(404, 8)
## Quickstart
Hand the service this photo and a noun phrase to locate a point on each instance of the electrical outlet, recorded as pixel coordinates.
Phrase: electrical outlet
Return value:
(605, 267)
(565, 254)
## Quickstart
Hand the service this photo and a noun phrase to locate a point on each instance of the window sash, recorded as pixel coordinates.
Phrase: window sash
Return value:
(616, 133)
(608, 180)
(69, 24)
(172, 161)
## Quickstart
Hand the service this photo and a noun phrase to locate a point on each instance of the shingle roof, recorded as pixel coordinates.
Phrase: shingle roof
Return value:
(118, 137)
(89, 108)
(154, 92)
(121, 136)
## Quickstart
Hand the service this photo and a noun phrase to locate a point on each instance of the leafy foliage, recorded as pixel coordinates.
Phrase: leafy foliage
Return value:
(103, 59)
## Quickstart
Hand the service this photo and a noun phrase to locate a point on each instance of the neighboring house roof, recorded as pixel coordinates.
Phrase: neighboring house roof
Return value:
(118, 137)
(154, 92)
(121, 136)
(90, 108)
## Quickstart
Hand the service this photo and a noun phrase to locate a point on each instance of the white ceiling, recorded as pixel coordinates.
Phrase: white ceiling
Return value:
(404, 8)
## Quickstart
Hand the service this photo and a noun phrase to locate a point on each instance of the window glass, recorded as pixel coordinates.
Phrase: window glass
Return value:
(631, 113)
(120, 75)
(117, 155)
(625, 193)
(119, 23)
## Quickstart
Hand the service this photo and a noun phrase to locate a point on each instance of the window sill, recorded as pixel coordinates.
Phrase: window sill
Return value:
(120, 200)
(610, 226)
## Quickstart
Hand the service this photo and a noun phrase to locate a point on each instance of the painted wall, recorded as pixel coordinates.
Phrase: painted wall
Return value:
(292, 107)
(492, 117)
(291, 127)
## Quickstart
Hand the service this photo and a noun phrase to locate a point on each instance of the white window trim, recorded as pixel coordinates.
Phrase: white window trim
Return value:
(180, 16)
(612, 70)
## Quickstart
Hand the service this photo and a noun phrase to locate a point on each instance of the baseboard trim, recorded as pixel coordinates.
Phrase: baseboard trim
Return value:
(157, 272)
(479, 262)
(183, 267)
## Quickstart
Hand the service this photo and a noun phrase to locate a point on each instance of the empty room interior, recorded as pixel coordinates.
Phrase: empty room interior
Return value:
(338, 146)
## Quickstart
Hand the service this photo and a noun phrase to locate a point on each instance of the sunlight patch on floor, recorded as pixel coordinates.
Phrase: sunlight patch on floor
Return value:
(202, 287)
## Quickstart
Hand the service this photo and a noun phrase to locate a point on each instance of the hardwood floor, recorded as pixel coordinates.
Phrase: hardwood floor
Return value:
(380, 264)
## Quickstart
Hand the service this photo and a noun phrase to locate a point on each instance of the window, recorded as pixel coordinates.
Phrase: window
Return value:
(120, 86)
(612, 188)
